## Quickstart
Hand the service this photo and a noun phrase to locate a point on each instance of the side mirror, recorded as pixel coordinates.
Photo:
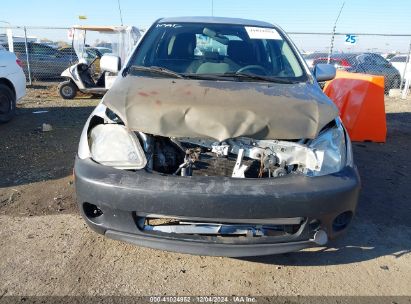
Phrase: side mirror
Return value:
(324, 72)
(110, 63)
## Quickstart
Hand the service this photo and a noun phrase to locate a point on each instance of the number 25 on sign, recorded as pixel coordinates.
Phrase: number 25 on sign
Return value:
(351, 39)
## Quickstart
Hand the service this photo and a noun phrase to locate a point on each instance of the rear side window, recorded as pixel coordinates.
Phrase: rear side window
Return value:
(322, 60)
(371, 59)
(366, 59)
(379, 60)
(315, 55)
(68, 51)
(39, 49)
(399, 59)
(19, 47)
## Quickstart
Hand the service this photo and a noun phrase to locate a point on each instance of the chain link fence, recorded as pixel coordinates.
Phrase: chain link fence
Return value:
(46, 52)
(387, 55)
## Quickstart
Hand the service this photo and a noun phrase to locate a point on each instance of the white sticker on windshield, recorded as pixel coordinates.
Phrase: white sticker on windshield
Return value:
(262, 33)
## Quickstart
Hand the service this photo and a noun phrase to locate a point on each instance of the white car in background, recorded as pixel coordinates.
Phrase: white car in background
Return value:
(12, 84)
(399, 62)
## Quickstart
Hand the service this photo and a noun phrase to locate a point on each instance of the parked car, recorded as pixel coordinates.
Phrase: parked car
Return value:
(368, 63)
(309, 58)
(90, 54)
(103, 50)
(234, 152)
(388, 56)
(400, 63)
(12, 84)
(45, 62)
(69, 52)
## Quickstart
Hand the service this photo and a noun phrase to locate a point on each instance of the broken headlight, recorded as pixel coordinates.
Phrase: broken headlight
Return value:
(114, 145)
(332, 142)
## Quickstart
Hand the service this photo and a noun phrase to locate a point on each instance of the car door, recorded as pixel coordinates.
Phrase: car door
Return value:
(377, 65)
(369, 65)
(69, 55)
(384, 66)
(391, 74)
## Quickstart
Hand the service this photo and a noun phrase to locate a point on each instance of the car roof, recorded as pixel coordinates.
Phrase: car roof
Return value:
(24, 43)
(339, 55)
(216, 20)
(315, 55)
(345, 55)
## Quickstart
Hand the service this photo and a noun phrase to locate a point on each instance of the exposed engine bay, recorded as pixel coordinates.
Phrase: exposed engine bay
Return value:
(240, 158)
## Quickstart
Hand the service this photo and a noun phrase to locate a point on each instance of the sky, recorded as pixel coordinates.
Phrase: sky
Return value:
(358, 16)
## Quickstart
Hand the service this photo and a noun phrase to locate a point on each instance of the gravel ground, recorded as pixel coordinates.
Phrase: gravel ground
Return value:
(46, 248)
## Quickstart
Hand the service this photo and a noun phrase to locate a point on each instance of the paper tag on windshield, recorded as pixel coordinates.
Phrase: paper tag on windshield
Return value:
(262, 33)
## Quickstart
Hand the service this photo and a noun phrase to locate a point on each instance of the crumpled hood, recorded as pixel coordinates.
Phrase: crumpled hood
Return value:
(220, 109)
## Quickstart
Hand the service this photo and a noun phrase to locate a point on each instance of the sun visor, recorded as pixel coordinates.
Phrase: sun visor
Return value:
(220, 109)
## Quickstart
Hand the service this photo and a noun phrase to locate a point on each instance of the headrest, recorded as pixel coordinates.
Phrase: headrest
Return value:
(241, 51)
(183, 46)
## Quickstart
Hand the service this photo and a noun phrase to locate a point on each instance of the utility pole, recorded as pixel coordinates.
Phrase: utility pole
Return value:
(212, 8)
(333, 34)
(119, 10)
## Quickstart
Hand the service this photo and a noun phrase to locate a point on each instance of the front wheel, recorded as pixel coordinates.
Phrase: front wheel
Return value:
(67, 89)
(7, 103)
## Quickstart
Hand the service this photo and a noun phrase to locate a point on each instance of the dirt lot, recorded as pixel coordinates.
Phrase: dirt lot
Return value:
(46, 248)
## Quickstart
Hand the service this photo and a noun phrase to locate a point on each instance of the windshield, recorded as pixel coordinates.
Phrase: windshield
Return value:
(218, 49)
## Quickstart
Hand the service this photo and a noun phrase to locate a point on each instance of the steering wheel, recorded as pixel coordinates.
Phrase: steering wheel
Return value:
(252, 67)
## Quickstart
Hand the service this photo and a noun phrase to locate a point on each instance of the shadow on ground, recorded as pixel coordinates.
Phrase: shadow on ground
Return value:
(31, 155)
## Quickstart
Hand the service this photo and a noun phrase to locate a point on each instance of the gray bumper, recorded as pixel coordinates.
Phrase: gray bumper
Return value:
(125, 197)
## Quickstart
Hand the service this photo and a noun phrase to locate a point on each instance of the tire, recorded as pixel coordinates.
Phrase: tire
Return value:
(67, 89)
(7, 103)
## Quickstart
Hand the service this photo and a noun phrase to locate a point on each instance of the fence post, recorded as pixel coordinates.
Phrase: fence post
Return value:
(10, 39)
(406, 81)
(27, 55)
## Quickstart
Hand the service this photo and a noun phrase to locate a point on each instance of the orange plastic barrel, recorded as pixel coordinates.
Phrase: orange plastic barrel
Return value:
(360, 99)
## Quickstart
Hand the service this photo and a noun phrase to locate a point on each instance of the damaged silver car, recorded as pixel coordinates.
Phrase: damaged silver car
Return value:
(216, 139)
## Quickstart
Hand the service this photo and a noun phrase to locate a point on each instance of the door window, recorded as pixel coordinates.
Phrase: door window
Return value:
(379, 60)
(38, 49)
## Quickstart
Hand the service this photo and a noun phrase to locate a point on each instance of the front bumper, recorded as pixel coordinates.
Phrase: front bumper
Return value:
(125, 198)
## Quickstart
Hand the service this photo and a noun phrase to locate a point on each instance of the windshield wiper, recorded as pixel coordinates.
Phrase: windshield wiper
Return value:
(202, 76)
(257, 77)
(156, 70)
